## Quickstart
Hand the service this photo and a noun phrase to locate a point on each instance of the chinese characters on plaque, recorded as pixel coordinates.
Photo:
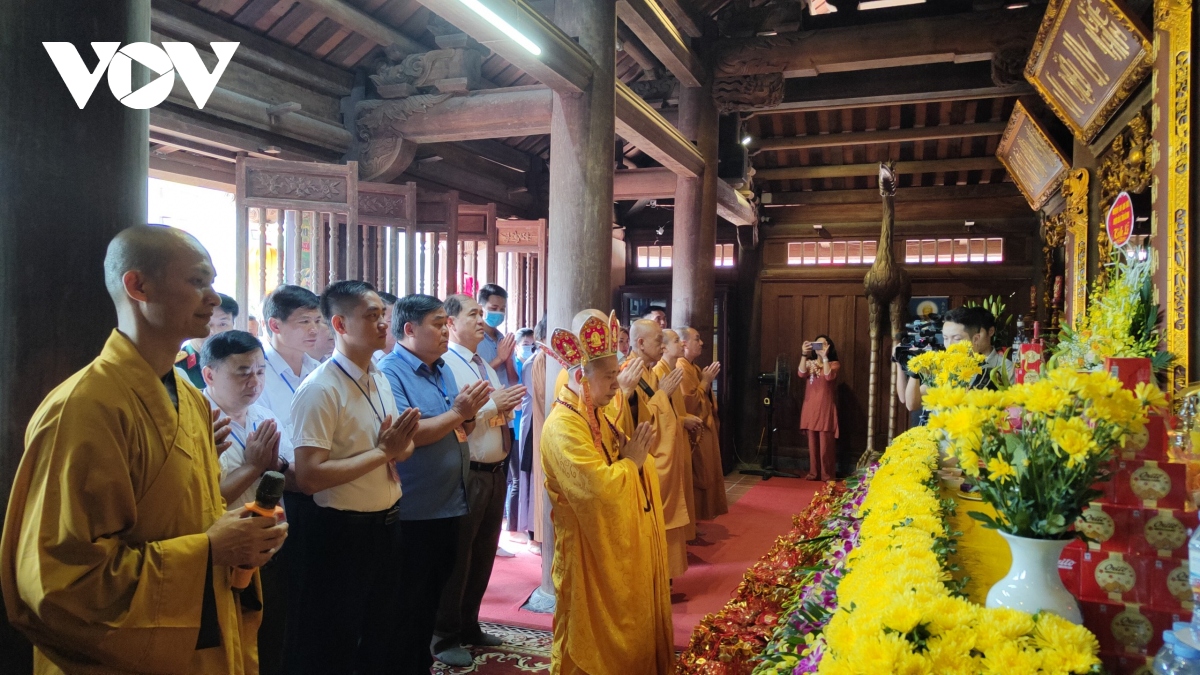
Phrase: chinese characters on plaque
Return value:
(1035, 163)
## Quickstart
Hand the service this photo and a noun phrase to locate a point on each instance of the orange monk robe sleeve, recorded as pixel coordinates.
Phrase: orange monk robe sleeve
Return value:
(697, 401)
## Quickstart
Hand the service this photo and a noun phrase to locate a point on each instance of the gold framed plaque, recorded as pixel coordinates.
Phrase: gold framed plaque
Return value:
(1088, 57)
(1035, 163)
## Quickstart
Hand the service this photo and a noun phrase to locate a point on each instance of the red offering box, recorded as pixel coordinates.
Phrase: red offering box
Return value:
(1151, 484)
(1115, 576)
(1121, 628)
(1029, 363)
(1150, 444)
(1070, 566)
(1169, 589)
(1130, 372)
(1106, 525)
(1161, 532)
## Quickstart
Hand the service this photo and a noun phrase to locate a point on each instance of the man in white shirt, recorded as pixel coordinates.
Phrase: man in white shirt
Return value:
(479, 531)
(233, 368)
(347, 435)
(389, 303)
(294, 323)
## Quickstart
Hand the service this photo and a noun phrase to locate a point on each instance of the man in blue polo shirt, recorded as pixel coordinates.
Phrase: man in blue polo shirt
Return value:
(434, 479)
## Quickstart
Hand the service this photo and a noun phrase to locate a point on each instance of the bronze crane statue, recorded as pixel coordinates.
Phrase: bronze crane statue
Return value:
(886, 284)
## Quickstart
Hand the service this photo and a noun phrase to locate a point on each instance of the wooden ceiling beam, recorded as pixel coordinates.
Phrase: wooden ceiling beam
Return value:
(643, 126)
(562, 65)
(956, 38)
(949, 209)
(684, 18)
(494, 113)
(657, 183)
(871, 196)
(652, 26)
(893, 86)
(183, 22)
(632, 46)
(878, 137)
(183, 122)
(872, 169)
(366, 25)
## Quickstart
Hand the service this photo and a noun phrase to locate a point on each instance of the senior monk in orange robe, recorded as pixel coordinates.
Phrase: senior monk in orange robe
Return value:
(117, 549)
(613, 615)
(708, 476)
(652, 401)
(691, 425)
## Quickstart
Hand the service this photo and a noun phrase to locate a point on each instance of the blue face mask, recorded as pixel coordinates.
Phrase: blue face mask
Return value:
(494, 319)
(524, 352)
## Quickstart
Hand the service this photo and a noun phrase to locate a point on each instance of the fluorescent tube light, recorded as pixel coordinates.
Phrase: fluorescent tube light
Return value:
(880, 4)
(504, 26)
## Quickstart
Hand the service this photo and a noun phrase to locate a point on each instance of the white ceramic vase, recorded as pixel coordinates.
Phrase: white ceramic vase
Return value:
(1032, 583)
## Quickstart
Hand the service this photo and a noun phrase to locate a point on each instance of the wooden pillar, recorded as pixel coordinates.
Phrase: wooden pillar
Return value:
(451, 244)
(695, 231)
(581, 193)
(291, 228)
(72, 179)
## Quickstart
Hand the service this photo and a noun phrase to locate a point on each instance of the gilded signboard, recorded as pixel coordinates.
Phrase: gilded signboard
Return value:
(1086, 60)
(1035, 163)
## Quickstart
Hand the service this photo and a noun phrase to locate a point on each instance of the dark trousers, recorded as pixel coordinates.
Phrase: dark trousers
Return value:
(344, 619)
(478, 535)
(271, 632)
(512, 501)
(427, 553)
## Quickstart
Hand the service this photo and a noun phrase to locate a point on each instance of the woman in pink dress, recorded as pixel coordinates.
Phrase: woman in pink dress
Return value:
(818, 416)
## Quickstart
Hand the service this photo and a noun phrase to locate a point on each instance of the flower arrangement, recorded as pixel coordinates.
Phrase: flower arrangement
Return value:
(1035, 450)
(955, 366)
(896, 613)
(1121, 320)
(732, 641)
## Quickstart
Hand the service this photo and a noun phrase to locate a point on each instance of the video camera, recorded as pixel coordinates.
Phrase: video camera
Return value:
(920, 336)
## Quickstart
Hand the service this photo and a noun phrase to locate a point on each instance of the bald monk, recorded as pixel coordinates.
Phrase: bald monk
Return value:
(692, 425)
(117, 549)
(613, 615)
(651, 401)
(708, 476)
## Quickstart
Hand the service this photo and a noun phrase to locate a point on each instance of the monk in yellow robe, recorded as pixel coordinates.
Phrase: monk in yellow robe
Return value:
(688, 435)
(652, 402)
(117, 549)
(708, 475)
(613, 614)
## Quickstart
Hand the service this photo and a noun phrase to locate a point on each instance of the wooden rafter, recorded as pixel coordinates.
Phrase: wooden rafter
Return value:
(652, 26)
(853, 170)
(882, 136)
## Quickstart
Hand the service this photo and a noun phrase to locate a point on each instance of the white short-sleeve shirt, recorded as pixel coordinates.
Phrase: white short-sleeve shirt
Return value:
(331, 411)
(281, 385)
(235, 456)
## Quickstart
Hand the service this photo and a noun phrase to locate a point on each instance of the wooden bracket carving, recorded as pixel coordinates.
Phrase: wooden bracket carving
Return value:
(748, 92)
(440, 70)
(386, 154)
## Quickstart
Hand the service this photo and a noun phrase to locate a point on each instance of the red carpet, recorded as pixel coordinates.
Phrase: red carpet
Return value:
(734, 542)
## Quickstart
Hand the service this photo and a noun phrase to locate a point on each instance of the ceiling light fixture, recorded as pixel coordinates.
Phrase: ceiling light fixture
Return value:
(271, 150)
(1016, 5)
(746, 140)
(880, 4)
(504, 26)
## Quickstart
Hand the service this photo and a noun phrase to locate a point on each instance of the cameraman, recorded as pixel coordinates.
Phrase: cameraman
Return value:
(973, 324)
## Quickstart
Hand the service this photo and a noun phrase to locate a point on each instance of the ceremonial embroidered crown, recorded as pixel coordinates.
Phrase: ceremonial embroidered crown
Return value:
(597, 339)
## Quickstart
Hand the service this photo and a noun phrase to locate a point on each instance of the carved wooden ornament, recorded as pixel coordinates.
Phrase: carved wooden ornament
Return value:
(1088, 57)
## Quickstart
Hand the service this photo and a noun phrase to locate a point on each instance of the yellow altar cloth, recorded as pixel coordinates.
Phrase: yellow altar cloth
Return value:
(982, 556)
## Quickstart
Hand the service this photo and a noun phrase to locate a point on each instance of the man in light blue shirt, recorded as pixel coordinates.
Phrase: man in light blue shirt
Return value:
(435, 478)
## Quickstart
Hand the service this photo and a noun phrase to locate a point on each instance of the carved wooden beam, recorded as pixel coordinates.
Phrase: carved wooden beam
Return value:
(735, 208)
(189, 124)
(652, 26)
(562, 65)
(643, 126)
(873, 137)
(494, 113)
(184, 22)
(853, 170)
(632, 46)
(871, 196)
(957, 38)
(366, 25)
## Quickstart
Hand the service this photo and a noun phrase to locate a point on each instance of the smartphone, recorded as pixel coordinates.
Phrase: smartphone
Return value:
(818, 346)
